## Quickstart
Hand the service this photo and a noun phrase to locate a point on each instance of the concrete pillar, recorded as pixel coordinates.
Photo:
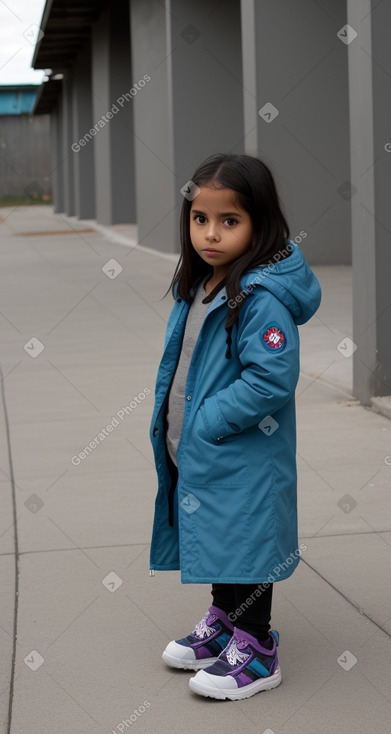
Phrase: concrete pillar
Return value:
(370, 109)
(295, 73)
(189, 109)
(83, 156)
(57, 168)
(113, 115)
(67, 135)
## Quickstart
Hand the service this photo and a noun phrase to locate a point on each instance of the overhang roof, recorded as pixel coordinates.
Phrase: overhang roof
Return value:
(66, 25)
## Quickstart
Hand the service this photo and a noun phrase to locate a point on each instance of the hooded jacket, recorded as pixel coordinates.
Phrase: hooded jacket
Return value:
(228, 513)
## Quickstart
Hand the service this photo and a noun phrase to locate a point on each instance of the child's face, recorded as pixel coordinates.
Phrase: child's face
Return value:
(217, 222)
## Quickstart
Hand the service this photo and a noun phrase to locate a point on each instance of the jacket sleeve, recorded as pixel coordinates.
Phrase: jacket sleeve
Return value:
(269, 375)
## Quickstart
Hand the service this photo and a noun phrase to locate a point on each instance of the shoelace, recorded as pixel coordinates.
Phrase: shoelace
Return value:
(234, 656)
(202, 629)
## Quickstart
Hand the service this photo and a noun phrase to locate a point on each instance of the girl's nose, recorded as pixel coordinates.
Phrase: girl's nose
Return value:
(212, 233)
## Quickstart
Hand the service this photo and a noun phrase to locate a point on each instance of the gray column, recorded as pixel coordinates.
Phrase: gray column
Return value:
(302, 133)
(83, 155)
(381, 24)
(370, 108)
(67, 135)
(57, 168)
(113, 114)
(190, 108)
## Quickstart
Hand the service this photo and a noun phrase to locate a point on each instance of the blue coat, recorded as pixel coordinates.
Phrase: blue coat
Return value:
(233, 517)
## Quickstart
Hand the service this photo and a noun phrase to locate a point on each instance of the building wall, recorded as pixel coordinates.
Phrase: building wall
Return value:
(209, 73)
(190, 108)
(370, 141)
(295, 61)
(153, 150)
(25, 155)
(111, 74)
(381, 20)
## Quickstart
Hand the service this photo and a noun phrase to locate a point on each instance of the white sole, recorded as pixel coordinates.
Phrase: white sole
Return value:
(204, 686)
(174, 662)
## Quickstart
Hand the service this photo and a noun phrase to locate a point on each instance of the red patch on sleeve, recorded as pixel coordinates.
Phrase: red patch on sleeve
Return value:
(273, 339)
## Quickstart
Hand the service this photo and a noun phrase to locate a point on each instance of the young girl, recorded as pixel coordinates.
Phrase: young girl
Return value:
(223, 427)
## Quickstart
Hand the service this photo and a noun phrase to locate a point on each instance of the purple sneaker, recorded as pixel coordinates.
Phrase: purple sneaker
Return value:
(242, 669)
(203, 646)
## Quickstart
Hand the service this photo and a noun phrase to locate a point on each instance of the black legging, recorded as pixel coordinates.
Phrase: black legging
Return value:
(247, 610)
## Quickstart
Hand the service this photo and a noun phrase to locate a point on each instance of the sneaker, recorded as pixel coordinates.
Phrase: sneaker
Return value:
(203, 646)
(242, 669)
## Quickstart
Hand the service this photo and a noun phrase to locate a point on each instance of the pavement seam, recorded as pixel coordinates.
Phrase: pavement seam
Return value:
(352, 604)
(340, 535)
(334, 384)
(83, 547)
(16, 553)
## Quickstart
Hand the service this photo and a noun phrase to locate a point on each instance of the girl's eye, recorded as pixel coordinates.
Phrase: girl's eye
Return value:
(201, 216)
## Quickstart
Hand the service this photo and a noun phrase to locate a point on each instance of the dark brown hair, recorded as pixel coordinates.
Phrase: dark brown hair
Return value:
(255, 190)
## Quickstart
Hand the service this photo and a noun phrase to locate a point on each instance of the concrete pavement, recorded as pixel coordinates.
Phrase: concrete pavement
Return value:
(79, 344)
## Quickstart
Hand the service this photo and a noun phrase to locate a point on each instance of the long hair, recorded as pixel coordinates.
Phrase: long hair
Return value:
(256, 192)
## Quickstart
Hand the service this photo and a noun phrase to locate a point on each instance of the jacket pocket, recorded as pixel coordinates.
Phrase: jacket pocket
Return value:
(210, 462)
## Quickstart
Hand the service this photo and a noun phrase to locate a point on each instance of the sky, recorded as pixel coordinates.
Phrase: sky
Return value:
(19, 27)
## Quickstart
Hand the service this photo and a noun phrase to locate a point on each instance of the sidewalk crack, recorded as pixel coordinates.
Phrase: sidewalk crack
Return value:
(16, 552)
(352, 604)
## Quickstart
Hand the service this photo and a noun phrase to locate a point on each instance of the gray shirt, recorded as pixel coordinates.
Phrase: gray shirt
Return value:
(176, 398)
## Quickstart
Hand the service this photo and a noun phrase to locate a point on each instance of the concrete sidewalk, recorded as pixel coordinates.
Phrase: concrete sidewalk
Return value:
(91, 622)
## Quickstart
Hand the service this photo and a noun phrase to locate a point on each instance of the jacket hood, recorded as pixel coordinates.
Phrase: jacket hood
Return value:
(292, 281)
